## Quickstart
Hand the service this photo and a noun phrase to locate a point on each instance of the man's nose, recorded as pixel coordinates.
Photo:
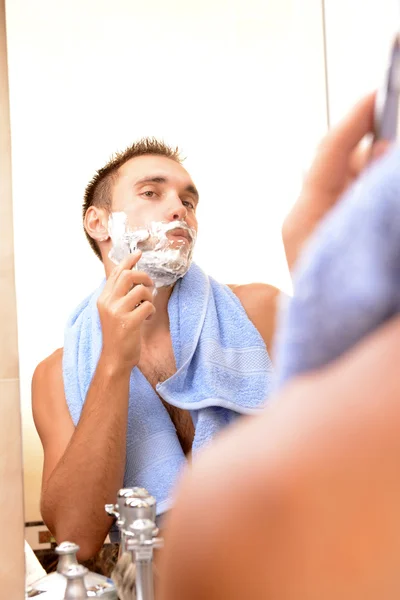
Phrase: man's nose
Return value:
(176, 210)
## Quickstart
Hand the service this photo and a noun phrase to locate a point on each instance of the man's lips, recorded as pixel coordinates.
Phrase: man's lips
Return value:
(179, 233)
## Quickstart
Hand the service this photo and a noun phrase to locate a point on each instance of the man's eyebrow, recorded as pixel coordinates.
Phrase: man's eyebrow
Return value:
(193, 190)
(152, 179)
(161, 179)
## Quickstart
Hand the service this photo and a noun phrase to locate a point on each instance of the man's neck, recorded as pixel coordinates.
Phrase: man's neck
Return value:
(159, 322)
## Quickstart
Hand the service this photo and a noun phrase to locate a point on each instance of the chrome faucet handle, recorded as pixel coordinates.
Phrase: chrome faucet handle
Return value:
(139, 508)
(144, 539)
(76, 589)
(142, 545)
(116, 510)
(67, 552)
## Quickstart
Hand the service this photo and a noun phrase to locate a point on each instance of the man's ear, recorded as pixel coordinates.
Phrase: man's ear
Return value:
(96, 223)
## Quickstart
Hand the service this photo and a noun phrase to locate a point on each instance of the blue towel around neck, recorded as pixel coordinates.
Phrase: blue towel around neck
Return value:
(223, 370)
(347, 282)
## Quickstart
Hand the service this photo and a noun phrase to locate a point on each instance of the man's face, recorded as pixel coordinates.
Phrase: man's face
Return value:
(156, 189)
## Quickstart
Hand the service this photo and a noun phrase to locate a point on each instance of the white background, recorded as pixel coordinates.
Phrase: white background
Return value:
(239, 86)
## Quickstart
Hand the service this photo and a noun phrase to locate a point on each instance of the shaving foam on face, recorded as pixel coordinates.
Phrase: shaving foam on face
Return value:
(165, 258)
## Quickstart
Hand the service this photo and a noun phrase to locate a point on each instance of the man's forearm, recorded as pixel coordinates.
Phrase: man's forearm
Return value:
(92, 468)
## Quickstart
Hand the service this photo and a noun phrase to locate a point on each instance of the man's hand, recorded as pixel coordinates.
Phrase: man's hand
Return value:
(125, 303)
(339, 161)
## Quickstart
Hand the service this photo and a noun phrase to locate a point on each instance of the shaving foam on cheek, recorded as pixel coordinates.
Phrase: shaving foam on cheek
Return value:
(165, 258)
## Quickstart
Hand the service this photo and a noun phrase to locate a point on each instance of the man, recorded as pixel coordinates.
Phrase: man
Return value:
(85, 447)
(302, 501)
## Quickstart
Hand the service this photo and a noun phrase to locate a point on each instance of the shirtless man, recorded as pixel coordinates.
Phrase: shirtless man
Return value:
(84, 465)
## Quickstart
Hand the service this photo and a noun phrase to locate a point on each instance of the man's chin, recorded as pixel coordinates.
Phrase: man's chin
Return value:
(180, 243)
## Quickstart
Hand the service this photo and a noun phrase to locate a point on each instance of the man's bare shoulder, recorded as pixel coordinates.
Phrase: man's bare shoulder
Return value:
(260, 301)
(48, 397)
(255, 295)
(50, 411)
(49, 370)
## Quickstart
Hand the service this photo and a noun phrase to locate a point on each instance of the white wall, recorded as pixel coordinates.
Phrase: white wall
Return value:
(359, 34)
(239, 86)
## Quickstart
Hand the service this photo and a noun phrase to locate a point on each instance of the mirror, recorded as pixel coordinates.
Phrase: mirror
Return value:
(245, 90)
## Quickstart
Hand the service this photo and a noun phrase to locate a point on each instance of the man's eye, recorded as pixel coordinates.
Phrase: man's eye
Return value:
(149, 194)
(188, 204)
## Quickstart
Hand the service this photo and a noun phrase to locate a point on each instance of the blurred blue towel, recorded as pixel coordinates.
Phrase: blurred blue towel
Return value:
(347, 282)
(223, 369)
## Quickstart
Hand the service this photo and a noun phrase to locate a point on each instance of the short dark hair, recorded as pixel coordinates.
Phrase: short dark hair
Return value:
(99, 190)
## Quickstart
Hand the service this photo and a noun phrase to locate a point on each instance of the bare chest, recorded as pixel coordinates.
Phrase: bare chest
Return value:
(158, 365)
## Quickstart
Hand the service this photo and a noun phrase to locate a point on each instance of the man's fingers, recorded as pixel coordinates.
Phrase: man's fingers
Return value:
(129, 279)
(142, 312)
(363, 155)
(358, 122)
(123, 278)
(127, 264)
(379, 148)
(330, 170)
(137, 295)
